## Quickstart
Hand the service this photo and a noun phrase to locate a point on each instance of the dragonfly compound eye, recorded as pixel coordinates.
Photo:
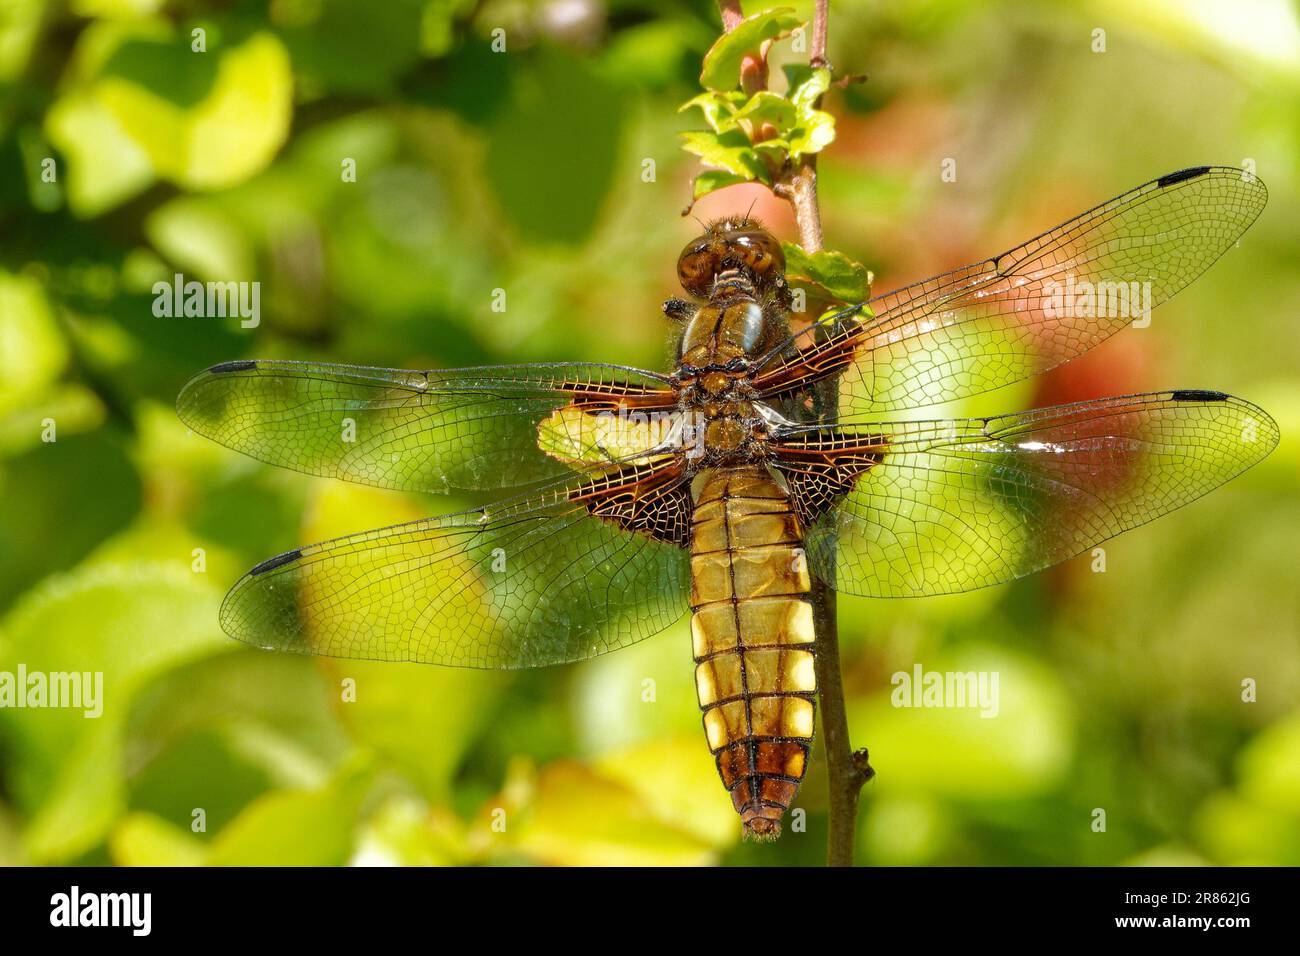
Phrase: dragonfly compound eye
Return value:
(699, 262)
(760, 252)
(730, 244)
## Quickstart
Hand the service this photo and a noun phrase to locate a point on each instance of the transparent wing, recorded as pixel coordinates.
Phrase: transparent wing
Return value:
(563, 575)
(939, 507)
(473, 429)
(1030, 308)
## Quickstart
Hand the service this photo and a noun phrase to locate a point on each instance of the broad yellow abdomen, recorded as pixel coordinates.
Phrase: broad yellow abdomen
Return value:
(752, 632)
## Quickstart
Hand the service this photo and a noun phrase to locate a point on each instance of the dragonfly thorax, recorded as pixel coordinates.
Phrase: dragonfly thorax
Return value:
(723, 331)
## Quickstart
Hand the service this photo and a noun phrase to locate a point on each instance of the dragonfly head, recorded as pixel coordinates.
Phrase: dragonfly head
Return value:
(732, 245)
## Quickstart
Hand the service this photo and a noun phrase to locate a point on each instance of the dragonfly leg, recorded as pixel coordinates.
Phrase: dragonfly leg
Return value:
(679, 310)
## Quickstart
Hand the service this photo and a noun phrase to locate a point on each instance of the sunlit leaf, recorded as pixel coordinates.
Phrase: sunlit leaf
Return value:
(711, 180)
(809, 87)
(127, 623)
(1236, 831)
(643, 693)
(115, 8)
(679, 784)
(295, 827)
(574, 816)
(842, 278)
(722, 62)
(21, 29)
(105, 165)
(1270, 766)
(719, 109)
(814, 132)
(730, 151)
(228, 136)
(406, 832)
(1167, 855)
(32, 351)
(1016, 742)
(767, 107)
(903, 830)
(142, 839)
(197, 239)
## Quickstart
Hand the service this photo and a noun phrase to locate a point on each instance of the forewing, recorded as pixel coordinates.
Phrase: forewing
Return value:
(472, 429)
(939, 507)
(1027, 310)
(532, 581)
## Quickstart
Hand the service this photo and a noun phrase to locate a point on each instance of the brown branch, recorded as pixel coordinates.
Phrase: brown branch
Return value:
(731, 14)
(800, 189)
(847, 770)
(821, 22)
(803, 183)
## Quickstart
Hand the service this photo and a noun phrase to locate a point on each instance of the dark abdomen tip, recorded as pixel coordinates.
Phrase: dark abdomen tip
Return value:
(761, 829)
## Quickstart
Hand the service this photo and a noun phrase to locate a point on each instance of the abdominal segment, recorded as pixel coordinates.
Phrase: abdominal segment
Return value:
(753, 641)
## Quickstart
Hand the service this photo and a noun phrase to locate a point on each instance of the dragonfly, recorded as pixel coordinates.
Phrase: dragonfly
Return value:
(768, 458)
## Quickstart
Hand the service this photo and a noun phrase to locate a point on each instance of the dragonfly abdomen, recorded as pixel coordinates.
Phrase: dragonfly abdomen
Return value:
(752, 633)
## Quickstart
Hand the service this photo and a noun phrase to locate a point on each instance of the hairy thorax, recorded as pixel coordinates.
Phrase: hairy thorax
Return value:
(736, 269)
(714, 373)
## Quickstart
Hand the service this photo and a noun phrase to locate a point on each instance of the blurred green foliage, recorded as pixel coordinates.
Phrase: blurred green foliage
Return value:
(552, 169)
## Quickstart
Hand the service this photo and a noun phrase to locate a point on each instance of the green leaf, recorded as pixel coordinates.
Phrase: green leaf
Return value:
(816, 131)
(362, 49)
(233, 133)
(678, 788)
(195, 235)
(767, 107)
(961, 752)
(719, 109)
(296, 827)
(653, 54)
(126, 623)
(105, 165)
(85, 797)
(841, 277)
(811, 130)
(403, 831)
(33, 352)
(773, 150)
(570, 814)
(49, 478)
(1239, 832)
(143, 839)
(711, 180)
(730, 151)
(810, 87)
(722, 62)
(119, 132)
(551, 166)
(1270, 766)
(796, 75)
